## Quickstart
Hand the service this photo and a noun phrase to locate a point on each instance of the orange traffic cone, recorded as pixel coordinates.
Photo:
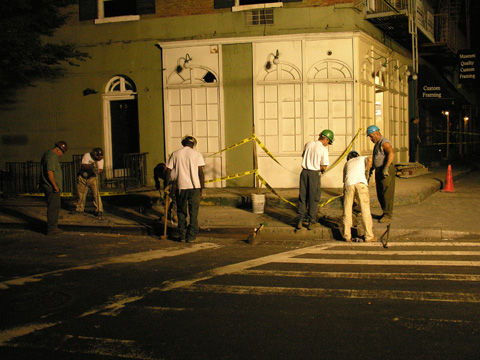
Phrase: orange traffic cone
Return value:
(449, 182)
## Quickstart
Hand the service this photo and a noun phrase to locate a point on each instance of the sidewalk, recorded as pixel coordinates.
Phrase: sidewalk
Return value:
(228, 212)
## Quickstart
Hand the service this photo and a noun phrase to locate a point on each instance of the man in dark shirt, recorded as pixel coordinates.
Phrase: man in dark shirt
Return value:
(51, 180)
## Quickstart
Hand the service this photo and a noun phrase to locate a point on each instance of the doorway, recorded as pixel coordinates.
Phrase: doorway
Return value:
(125, 134)
(121, 128)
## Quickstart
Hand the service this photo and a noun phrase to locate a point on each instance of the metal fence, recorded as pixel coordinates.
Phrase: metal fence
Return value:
(378, 6)
(23, 177)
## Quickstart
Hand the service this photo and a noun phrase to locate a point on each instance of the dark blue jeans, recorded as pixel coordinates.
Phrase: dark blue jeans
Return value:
(188, 203)
(53, 207)
(309, 195)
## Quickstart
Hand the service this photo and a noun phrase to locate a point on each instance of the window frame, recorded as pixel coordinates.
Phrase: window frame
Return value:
(238, 7)
(101, 19)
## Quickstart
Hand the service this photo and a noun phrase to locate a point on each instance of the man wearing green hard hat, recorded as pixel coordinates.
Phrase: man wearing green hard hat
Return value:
(383, 156)
(314, 163)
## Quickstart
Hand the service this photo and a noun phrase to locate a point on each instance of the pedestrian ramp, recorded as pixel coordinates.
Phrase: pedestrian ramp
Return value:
(418, 271)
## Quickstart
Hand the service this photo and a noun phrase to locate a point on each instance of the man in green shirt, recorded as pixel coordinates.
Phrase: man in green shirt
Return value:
(51, 180)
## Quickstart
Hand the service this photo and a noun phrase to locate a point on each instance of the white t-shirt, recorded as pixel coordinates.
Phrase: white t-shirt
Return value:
(87, 160)
(315, 154)
(354, 171)
(186, 162)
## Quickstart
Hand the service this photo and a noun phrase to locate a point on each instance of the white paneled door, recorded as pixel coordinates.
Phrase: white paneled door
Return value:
(193, 105)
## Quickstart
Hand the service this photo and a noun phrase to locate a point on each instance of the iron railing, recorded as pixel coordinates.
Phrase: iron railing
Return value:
(23, 177)
(380, 6)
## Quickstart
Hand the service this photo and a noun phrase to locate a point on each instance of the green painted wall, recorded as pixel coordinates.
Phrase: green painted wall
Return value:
(54, 110)
(238, 93)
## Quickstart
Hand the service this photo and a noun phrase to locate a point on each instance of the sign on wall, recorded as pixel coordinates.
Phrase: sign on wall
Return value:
(468, 67)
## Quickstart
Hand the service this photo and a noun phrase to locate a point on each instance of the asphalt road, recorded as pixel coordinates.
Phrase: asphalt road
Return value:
(103, 297)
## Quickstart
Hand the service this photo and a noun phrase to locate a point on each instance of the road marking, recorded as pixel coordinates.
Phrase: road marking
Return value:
(343, 293)
(413, 244)
(229, 269)
(10, 334)
(124, 259)
(356, 275)
(381, 262)
(406, 252)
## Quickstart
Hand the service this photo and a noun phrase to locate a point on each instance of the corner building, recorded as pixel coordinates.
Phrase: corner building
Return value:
(221, 71)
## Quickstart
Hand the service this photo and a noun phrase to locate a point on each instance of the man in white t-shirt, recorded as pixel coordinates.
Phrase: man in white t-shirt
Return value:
(188, 165)
(355, 183)
(91, 166)
(314, 162)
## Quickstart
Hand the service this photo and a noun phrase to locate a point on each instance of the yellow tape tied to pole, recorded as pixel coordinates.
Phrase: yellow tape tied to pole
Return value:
(263, 181)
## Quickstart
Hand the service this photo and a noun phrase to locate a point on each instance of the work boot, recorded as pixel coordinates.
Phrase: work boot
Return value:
(385, 219)
(299, 224)
(311, 225)
(374, 239)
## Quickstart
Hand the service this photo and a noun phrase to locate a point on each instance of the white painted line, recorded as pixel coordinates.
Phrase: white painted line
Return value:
(407, 252)
(130, 258)
(117, 348)
(411, 244)
(229, 269)
(339, 293)
(381, 262)
(10, 334)
(356, 275)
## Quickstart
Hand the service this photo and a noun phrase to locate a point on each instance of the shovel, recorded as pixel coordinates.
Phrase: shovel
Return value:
(165, 218)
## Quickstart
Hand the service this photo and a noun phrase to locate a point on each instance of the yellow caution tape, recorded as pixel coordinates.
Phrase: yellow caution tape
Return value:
(345, 152)
(241, 142)
(69, 194)
(287, 201)
(273, 190)
(229, 177)
(264, 148)
(329, 200)
(456, 132)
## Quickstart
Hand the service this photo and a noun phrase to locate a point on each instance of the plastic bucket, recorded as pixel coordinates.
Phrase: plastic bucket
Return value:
(258, 203)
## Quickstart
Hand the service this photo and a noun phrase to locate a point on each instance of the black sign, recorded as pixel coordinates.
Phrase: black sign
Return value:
(468, 67)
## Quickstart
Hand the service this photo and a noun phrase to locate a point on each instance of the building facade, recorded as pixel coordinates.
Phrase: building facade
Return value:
(221, 71)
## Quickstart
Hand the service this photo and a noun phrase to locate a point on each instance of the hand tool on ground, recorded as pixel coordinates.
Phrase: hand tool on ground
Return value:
(165, 218)
(385, 241)
(256, 236)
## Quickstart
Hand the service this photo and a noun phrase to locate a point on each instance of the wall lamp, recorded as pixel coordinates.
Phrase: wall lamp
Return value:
(185, 64)
(275, 60)
(408, 72)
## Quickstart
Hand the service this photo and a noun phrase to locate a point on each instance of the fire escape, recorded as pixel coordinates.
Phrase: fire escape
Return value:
(428, 27)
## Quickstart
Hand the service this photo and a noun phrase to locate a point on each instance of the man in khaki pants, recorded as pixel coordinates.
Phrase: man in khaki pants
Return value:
(356, 185)
(92, 165)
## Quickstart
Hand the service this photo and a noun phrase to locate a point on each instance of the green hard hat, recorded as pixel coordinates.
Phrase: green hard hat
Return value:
(328, 134)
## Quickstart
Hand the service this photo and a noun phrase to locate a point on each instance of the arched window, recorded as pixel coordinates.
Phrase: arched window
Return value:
(194, 107)
(279, 108)
(330, 101)
(120, 85)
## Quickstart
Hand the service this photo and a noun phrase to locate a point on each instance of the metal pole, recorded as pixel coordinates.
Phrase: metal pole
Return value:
(448, 135)
(255, 160)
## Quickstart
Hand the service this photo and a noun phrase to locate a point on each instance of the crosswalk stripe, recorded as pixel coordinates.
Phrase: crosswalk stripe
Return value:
(343, 293)
(392, 244)
(356, 275)
(381, 262)
(407, 252)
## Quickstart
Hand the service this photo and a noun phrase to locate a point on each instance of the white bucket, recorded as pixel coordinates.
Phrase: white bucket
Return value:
(258, 203)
